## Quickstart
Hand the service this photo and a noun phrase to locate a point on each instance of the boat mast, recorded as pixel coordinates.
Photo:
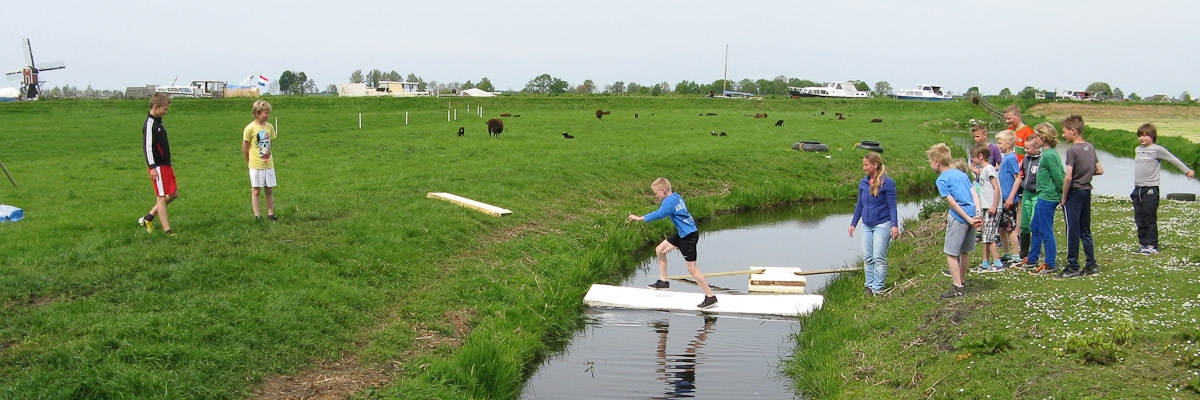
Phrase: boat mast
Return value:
(725, 79)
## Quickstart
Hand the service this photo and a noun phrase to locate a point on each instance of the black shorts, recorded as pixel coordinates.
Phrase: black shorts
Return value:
(686, 244)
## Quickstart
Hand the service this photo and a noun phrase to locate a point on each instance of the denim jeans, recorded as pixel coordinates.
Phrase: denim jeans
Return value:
(875, 242)
(1078, 215)
(1042, 226)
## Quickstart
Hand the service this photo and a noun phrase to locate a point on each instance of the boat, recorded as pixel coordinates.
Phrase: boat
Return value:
(833, 89)
(924, 92)
(195, 89)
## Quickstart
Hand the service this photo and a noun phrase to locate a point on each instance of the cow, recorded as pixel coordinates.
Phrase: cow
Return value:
(601, 114)
(877, 120)
(461, 131)
(506, 115)
(722, 134)
(567, 136)
(840, 115)
(495, 127)
(707, 114)
(779, 123)
(760, 115)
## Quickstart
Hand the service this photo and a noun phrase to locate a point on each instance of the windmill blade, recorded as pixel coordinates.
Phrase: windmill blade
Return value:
(50, 66)
(13, 76)
(28, 52)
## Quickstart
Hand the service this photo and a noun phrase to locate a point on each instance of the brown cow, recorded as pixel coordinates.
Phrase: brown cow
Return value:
(601, 114)
(760, 115)
(495, 127)
(877, 120)
(506, 115)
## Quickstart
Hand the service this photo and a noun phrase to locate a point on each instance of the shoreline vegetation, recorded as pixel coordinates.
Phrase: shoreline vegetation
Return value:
(363, 278)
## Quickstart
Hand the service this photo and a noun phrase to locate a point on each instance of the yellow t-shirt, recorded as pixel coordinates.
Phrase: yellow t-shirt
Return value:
(261, 137)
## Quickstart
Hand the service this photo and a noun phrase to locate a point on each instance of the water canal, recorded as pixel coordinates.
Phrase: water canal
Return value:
(637, 354)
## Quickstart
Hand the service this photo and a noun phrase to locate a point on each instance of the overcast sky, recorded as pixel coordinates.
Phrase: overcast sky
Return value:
(1148, 47)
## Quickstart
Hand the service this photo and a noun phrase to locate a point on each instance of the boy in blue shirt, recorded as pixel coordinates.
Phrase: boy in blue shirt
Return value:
(1009, 171)
(961, 221)
(685, 238)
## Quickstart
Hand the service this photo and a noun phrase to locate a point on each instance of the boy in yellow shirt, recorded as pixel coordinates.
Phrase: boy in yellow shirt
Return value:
(257, 143)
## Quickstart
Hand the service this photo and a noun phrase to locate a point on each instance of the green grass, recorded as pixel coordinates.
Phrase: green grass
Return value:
(361, 264)
(1127, 333)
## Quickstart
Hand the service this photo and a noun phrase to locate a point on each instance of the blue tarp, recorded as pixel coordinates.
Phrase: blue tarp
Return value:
(10, 213)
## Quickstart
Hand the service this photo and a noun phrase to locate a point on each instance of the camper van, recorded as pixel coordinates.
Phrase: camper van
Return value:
(195, 89)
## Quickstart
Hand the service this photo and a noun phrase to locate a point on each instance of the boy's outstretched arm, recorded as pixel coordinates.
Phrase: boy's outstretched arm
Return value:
(632, 217)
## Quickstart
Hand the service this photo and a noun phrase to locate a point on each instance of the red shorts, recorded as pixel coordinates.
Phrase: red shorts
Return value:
(165, 184)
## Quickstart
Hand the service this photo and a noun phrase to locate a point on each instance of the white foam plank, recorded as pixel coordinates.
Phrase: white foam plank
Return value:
(628, 297)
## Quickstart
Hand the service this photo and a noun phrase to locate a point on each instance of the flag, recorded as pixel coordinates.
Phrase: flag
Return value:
(262, 80)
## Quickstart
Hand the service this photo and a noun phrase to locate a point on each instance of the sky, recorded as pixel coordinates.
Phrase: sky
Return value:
(1143, 47)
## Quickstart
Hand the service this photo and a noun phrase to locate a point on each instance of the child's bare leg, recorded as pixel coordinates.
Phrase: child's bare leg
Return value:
(956, 274)
(254, 200)
(692, 269)
(662, 250)
(1005, 245)
(270, 200)
(160, 210)
(964, 262)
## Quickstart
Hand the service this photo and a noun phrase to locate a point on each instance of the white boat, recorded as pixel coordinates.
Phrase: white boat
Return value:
(833, 89)
(924, 92)
(195, 89)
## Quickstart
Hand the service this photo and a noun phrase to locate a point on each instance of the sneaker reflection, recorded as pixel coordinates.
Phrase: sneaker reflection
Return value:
(679, 370)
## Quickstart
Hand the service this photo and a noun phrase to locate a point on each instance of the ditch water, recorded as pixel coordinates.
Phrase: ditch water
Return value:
(637, 354)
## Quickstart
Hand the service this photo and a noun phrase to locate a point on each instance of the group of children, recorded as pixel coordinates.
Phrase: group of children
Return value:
(1034, 180)
(258, 136)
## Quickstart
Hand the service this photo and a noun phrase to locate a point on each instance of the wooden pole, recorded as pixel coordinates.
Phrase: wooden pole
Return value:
(10, 178)
(746, 272)
(828, 271)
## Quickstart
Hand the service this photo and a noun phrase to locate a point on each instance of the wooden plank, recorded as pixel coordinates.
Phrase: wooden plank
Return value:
(777, 280)
(790, 305)
(688, 277)
(465, 202)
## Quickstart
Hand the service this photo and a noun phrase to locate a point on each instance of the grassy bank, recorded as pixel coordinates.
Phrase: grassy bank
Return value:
(364, 278)
(1128, 333)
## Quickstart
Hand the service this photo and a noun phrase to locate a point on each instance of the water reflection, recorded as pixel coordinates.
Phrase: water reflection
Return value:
(679, 370)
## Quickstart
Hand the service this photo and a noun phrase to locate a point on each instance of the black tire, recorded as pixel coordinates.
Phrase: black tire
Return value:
(869, 145)
(810, 146)
(1181, 196)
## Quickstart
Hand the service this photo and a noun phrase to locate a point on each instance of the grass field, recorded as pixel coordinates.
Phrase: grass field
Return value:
(363, 278)
(1171, 119)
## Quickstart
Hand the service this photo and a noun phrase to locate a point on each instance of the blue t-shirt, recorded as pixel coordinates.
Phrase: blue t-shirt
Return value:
(1009, 168)
(953, 182)
(674, 207)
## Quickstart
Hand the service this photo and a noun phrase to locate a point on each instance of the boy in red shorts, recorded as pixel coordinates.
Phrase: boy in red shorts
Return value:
(158, 160)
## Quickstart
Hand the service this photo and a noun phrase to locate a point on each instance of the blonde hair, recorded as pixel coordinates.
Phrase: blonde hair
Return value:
(259, 106)
(661, 183)
(1014, 109)
(1047, 133)
(1007, 136)
(939, 153)
(880, 171)
(160, 100)
(961, 165)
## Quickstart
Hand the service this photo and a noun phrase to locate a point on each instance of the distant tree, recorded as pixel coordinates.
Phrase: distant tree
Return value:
(720, 84)
(559, 86)
(273, 87)
(468, 85)
(373, 78)
(588, 87)
(797, 82)
(1027, 93)
(633, 87)
(1005, 93)
(301, 84)
(1185, 97)
(973, 89)
(664, 87)
(779, 85)
(485, 85)
(539, 84)
(687, 87)
(1134, 97)
(421, 84)
(861, 86)
(1100, 89)
(331, 89)
(287, 82)
(310, 86)
(1118, 94)
(617, 87)
(656, 90)
(55, 93)
(357, 76)
(747, 86)
(765, 86)
(883, 88)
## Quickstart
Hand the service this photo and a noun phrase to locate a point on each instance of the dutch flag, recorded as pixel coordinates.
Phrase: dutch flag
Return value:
(262, 81)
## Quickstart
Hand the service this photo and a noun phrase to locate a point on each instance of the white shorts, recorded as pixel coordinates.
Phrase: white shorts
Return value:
(262, 177)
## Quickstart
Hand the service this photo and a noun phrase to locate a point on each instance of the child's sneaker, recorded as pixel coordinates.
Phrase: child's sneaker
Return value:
(659, 285)
(708, 302)
(149, 225)
(273, 218)
(1043, 269)
(955, 291)
(997, 266)
(983, 267)
(1151, 250)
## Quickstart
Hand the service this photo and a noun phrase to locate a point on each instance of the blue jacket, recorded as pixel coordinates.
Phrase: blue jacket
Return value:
(875, 210)
(674, 207)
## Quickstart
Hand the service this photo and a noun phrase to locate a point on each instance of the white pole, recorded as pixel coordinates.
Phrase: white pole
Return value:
(456, 114)
(447, 115)
(276, 124)
(406, 118)
(359, 120)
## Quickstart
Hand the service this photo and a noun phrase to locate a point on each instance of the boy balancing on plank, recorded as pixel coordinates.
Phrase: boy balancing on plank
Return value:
(685, 238)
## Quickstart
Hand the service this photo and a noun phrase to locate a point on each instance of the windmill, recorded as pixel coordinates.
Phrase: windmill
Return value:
(28, 76)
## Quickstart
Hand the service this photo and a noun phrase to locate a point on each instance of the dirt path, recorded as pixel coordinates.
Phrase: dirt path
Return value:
(1170, 119)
